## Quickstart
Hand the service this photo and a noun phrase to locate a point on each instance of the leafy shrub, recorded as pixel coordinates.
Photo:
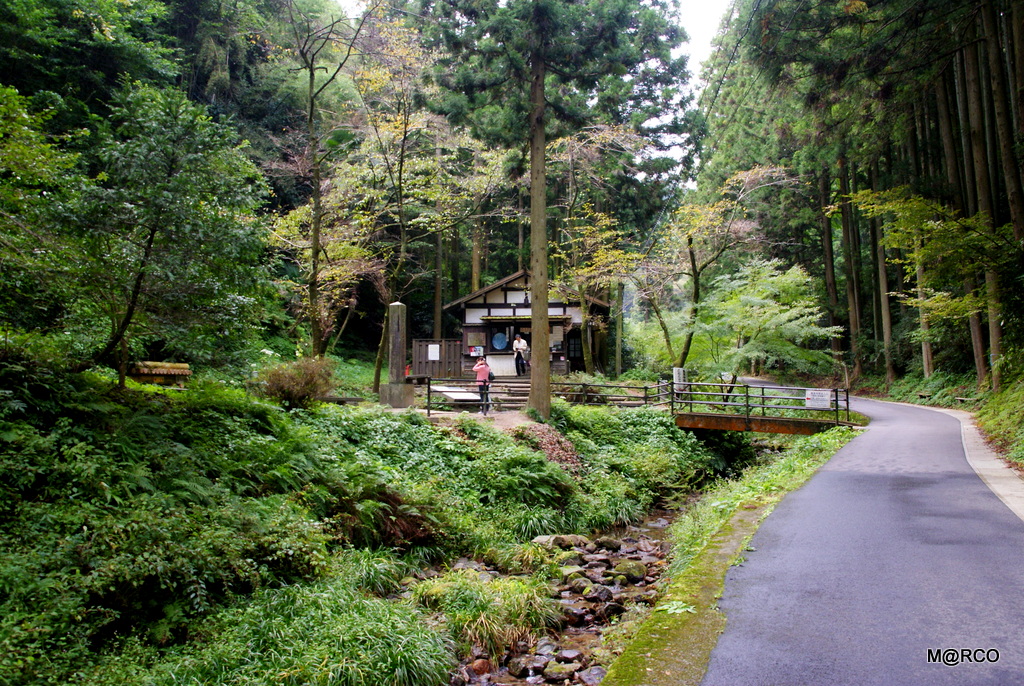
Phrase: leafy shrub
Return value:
(1002, 418)
(494, 615)
(375, 571)
(608, 499)
(297, 384)
(324, 633)
(516, 475)
(526, 523)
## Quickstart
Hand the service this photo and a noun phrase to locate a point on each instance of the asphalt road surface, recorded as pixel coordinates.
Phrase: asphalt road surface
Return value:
(894, 554)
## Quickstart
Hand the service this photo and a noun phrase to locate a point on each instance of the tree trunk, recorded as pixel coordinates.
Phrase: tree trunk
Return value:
(586, 333)
(378, 363)
(883, 286)
(540, 378)
(970, 190)
(438, 268)
(692, 309)
(438, 285)
(1017, 22)
(949, 152)
(1004, 124)
(831, 290)
(522, 229)
(453, 264)
(927, 361)
(995, 329)
(665, 333)
(852, 298)
(316, 332)
(984, 195)
(977, 339)
(959, 197)
(477, 256)
(620, 315)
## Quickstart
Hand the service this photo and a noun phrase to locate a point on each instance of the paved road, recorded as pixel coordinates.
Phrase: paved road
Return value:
(893, 549)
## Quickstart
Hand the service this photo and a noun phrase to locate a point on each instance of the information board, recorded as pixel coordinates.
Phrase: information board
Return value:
(818, 398)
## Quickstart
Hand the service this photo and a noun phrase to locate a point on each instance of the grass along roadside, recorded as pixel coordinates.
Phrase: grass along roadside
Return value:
(674, 644)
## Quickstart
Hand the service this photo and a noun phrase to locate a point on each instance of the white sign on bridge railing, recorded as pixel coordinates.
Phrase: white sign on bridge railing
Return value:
(679, 379)
(818, 398)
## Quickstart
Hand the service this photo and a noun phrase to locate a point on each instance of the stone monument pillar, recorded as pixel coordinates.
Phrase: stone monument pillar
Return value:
(396, 392)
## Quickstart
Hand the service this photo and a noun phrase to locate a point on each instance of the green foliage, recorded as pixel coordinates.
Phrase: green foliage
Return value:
(325, 633)
(765, 315)
(140, 511)
(1002, 418)
(494, 615)
(941, 389)
(162, 243)
(297, 384)
(373, 571)
(521, 476)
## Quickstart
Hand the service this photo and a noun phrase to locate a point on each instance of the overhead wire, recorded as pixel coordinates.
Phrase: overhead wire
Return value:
(743, 96)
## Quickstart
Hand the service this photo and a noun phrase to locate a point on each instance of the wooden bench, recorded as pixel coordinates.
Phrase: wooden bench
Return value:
(170, 374)
(343, 400)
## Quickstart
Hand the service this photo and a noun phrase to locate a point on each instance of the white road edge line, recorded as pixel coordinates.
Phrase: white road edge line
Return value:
(1000, 478)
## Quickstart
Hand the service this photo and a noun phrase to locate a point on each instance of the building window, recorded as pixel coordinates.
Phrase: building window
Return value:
(575, 347)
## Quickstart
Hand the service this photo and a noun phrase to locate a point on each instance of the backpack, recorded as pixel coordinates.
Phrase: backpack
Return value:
(490, 376)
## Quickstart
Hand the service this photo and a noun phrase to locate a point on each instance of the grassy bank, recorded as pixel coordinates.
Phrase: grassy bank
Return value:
(207, 536)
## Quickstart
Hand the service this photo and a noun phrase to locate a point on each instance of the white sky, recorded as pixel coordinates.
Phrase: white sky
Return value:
(701, 19)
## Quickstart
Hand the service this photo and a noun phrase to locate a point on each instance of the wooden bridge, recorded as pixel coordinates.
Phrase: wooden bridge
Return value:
(718, 406)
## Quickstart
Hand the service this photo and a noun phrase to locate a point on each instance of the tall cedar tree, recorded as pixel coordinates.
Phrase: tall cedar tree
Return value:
(512, 61)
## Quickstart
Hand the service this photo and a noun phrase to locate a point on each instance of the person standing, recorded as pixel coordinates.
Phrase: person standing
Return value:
(483, 383)
(520, 348)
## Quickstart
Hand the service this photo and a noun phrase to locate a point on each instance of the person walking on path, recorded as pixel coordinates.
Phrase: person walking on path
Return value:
(520, 348)
(483, 383)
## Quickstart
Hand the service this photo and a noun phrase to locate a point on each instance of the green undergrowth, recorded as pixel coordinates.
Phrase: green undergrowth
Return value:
(672, 643)
(1002, 418)
(206, 536)
(941, 389)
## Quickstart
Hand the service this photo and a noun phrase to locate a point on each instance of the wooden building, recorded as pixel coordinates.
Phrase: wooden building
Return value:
(493, 315)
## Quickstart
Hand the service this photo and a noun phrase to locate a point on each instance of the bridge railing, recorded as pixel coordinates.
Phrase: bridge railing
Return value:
(759, 400)
(677, 397)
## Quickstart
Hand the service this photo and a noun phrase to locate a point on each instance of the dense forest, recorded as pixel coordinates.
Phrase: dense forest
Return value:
(245, 185)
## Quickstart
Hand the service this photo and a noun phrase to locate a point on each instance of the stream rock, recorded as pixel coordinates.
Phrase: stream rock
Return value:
(564, 541)
(592, 676)
(631, 569)
(560, 671)
(481, 666)
(609, 610)
(527, 665)
(598, 593)
(572, 572)
(570, 655)
(546, 646)
(608, 543)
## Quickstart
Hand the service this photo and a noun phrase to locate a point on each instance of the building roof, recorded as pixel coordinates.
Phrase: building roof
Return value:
(487, 289)
(500, 283)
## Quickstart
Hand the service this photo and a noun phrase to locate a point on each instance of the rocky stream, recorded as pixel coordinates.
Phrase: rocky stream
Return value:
(600, 579)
